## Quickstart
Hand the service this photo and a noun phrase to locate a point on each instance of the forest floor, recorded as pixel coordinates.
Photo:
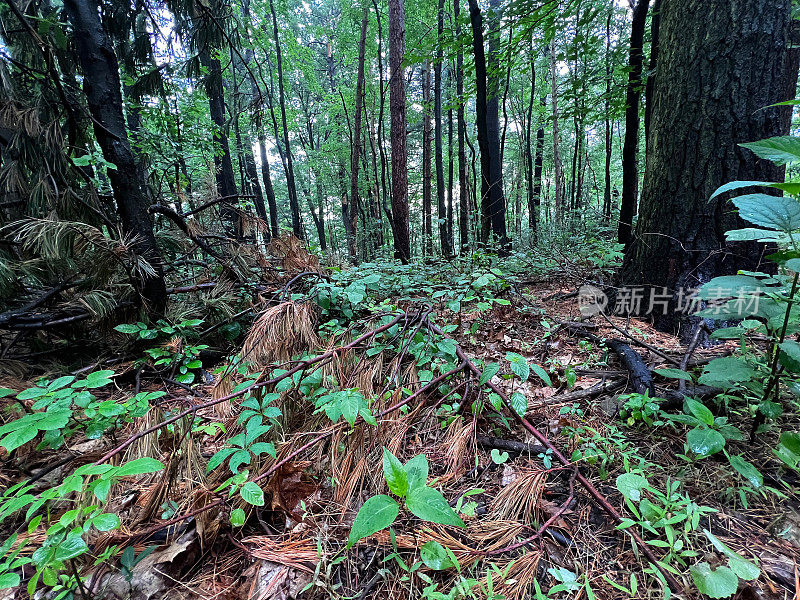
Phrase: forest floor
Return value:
(534, 529)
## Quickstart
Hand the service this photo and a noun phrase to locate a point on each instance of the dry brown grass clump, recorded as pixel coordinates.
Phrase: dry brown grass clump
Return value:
(293, 255)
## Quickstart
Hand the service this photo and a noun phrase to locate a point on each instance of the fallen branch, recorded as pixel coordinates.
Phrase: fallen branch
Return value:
(509, 445)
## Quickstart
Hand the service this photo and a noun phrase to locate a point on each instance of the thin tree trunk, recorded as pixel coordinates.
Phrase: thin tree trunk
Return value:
(444, 237)
(609, 137)
(427, 209)
(297, 222)
(101, 83)
(356, 147)
(268, 189)
(463, 192)
(532, 211)
(559, 169)
(630, 148)
(397, 107)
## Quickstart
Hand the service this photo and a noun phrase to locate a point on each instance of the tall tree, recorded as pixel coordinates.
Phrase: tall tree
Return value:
(557, 164)
(397, 107)
(444, 236)
(101, 83)
(294, 204)
(630, 146)
(724, 60)
(461, 125)
(356, 146)
(427, 210)
(608, 138)
(493, 212)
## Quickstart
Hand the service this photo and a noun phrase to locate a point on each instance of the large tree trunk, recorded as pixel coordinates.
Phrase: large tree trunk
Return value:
(630, 146)
(397, 107)
(294, 205)
(493, 212)
(101, 83)
(356, 148)
(427, 217)
(444, 237)
(463, 191)
(721, 62)
(655, 24)
(533, 213)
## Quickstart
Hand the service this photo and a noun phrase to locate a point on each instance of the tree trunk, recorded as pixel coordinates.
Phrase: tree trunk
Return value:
(101, 83)
(463, 191)
(397, 107)
(226, 180)
(559, 169)
(630, 147)
(294, 205)
(655, 23)
(537, 169)
(609, 139)
(427, 209)
(268, 189)
(492, 200)
(356, 147)
(532, 209)
(721, 62)
(444, 238)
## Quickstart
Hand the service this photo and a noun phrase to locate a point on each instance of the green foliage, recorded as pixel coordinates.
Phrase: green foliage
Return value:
(408, 482)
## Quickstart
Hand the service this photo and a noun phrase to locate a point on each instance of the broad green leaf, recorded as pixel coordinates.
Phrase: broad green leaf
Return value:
(435, 556)
(139, 467)
(489, 371)
(729, 286)
(542, 374)
(630, 485)
(673, 374)
(394, 474)
(17, 438)
(377, 513)
(704, 442)
(519, 403)
(726, 371)
(237, 517)
(752, 234)
(252, 493)
(72, 546)
(429, 505)
(9, 580)
(416, 471)
(776, 212)
(219, 458)
(519, 365)
(743, 568)
(105, 522)
(736, 185)
(781, 150)
(747, 470)
(792, 349)
(700, 411)
(717, 583)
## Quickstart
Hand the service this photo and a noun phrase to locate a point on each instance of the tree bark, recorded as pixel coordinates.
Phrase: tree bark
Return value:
(444, 237)
(268, 189)
(492, 200)
(356, 147)
(427, 209)
(655, 24)
(609, 140)
(101, 83)
(397, 106)
(558, 167)
(721, 62)
(463, 191)
(630, 146)
(297, 222)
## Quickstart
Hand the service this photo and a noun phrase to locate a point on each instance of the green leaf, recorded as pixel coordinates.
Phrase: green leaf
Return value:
(72, 546)
(542, 374)
(630, 485)
(377, 513)
(489, 371)
(17, 438)
(139, 467)
(726, 371)
(747, 470)
(105, 522)
(519, 403)
(417, 471)
(252, 494)
(219, 458)
(751, 234)
(434, 556)
(519, 365)
(718, 583)
(780, 149)
(237, 517)
(429, 505)
(498, 457)
(744, 569)
(700, 411)
(704, 441)
(735, 185)
(673, 374)
(9, 580)
(776, 212)
(394, 474)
